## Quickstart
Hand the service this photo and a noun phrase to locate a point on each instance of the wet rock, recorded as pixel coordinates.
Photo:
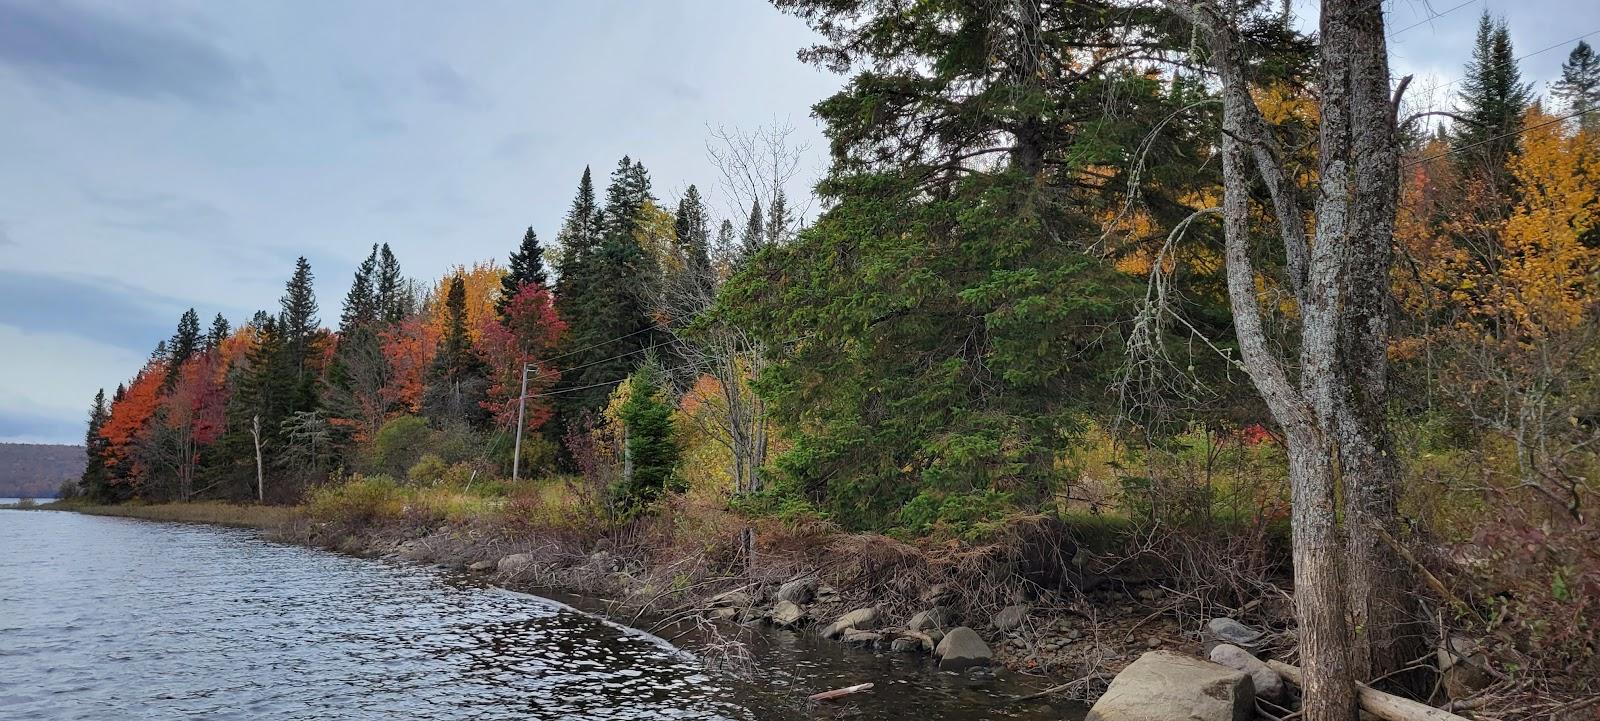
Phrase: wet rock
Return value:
(1011, 617)
(1162, 686)
(936, 617)
(859, 637)
(861, 618)
(514, 563)
(799, 591)
(1268, 684)
(961, 649)
(1227, 630)
(905, 644)
(787, 614)
(924, 642)
(481, 566)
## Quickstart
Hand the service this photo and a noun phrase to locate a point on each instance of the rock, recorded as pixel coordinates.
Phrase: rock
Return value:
(1010, 617)
(481, 566)
(858, 637)
(514, 563)
(861, 618)
(1268, 684)
(787, 614)
(1153, 642)
(936, 617)
(905, 644)
(962, 648)
(1164, 686)
(1228, 630)
(1462, 667)
(737, 598)
(924, 642)
(799, 591)
(826, 594)
(723, 613)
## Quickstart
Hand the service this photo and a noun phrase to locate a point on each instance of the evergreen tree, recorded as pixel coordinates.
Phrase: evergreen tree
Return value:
(527, 266)
(755, 234)
(393, 302)
(361, 303)
(652, 453)
(725, 249)
(457, 381)
(95, 476)
(1493, 99)
(692, 226)
(264, 389)
(579, 239)
(185, 342)
(219, 332)
(1579, 86)
(160, 354)
(299, 328)
(777, 219)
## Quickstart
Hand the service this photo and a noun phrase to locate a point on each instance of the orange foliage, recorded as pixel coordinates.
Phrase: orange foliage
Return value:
(130, 418)
(482, 281)
(409, 347)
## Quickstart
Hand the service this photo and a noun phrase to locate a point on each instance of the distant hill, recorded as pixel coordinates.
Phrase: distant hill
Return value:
(31, 470)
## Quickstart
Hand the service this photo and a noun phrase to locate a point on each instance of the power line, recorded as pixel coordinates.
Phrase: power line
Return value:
(1520, 58)
(1431, 18)
(1501, 136)
(603, 360)
(593, 346)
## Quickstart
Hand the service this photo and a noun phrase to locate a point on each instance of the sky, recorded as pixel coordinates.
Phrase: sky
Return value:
(165, 155)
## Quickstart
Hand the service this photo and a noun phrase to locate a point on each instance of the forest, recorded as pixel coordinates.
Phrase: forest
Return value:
(31, 470)
(1210, 290)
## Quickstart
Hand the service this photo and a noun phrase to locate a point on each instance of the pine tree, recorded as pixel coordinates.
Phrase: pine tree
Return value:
(361, 303)
(777, 219)
(527, 267)
(394, 303)
(1579, 86)
(185, 342)
(725, 249)
(93, 480)
(1493, 99)
(219, 332)
(755, 234)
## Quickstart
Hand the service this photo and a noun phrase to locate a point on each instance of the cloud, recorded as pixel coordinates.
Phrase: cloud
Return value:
(63, 42)
(21, 427)
(51, 377)
(516, 146)
(449, 86)
(100, 310)
(157, 212)
(5, 235)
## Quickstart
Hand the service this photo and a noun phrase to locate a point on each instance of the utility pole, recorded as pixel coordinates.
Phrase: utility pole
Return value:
(522, 405)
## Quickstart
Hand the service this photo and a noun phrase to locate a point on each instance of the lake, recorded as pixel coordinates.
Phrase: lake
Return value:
(108, 618)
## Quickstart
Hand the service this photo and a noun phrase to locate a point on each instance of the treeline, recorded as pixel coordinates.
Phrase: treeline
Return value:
(35, 470)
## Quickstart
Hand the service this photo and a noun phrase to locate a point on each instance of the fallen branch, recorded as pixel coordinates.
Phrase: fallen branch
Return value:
(1385, 706)
(836, 693)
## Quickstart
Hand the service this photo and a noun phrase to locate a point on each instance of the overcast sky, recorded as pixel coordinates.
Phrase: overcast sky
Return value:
(158, 156)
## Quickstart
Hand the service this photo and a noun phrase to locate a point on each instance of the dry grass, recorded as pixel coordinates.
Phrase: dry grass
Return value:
(213, 512)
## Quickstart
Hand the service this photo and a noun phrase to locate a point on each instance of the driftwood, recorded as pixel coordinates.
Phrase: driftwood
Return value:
(836, 693)
(1385, 706)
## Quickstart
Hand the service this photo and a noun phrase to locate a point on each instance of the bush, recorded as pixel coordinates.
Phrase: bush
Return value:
(398, 445)
(428, 470)
(359, 501)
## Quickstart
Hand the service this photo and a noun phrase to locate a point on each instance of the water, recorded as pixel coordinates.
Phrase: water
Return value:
(106, 618)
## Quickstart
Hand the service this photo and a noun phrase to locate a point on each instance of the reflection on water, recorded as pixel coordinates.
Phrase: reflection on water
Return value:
(111, 619)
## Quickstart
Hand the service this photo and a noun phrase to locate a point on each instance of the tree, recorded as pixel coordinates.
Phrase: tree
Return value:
(651, 457)
(126, 428)
(481, 285)
(755, 234)
(1493, 98)
(219, 332)
(778, 220)
(528, 332)
(184, 344)
(456, 382)
(527, 266)
(1579, 86)
(357, 373)
(692, 229)
(361, 304)
(393, 296)
(95, 476)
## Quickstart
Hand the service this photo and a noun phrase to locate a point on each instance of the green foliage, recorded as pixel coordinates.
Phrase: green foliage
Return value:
(428, 469)
(361, 500)
(969, 515)
(652, 451)
(1493, 98)
(398, 445)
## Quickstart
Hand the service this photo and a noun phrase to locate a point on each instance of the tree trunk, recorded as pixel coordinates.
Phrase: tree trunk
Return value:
(261, 484)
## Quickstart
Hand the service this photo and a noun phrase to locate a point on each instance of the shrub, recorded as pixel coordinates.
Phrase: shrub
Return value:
(429, 469)
(358, 501)
(398, 445)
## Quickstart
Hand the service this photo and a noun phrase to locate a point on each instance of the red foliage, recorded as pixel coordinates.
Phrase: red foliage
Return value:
(129, 421)
(527, 334)
(199, 399)
(408, 347)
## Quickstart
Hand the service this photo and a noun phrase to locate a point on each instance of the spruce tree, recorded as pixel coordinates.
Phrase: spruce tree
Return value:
(361, 302)
(725, 249)
(299, 327)
(579, 239)
(777, 219)
(456, 380)
(219, 332)
(652, 453)
(185, 342)
(93, 480)
(1493, 99)
(393, 302)
(527, 266)
(755, 234)
(1579, 87)
(692, 226)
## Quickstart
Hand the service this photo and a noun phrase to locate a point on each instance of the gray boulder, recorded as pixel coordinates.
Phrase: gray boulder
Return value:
(787, 614)
(514, 563)
(1010, 617)
(1165, 686)
(481, 566)
(736, 598)
(936, 617)
(1227, 630)
(798, 591)
(962, 648)
(1267, 682)
(861, 618)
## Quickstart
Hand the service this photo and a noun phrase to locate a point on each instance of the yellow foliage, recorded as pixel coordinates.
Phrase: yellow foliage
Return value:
(482, 281)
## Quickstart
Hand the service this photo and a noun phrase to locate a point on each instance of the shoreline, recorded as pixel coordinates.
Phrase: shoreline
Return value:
(1075, 645)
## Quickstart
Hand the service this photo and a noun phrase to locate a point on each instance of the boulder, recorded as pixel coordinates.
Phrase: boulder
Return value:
(737, 598)
(798, 591)
(961, 649)
(1227, 630)
(787, 614)
(1267, 682)
(514, 563)
(936, 617)
(1010, 617)
(905, 644)
(481, 566)
(861, 618)
(858, 637)
(1164, 686)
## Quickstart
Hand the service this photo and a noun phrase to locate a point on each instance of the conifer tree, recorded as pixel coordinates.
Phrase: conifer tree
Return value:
(456, 381)
(1579, 86)
(725, 249)
(185, 342)
(218, 333)
(93, 481)
(755, 234)
(579, 238)
(777, 220)
(692, 226)
(361, 302)
(299, 327)
(527, 266)
(652, 453)
(393, 302)
(1493, 98)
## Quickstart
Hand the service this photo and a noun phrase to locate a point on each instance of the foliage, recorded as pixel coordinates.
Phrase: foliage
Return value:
(652, 451)
(359, 501)
(398, 445)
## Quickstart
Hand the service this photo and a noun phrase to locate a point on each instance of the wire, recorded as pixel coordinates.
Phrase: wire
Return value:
(593, 346)
(597, 385)
(636, 351)
(1431, 18)
(1520, 58)
(1501, 136)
